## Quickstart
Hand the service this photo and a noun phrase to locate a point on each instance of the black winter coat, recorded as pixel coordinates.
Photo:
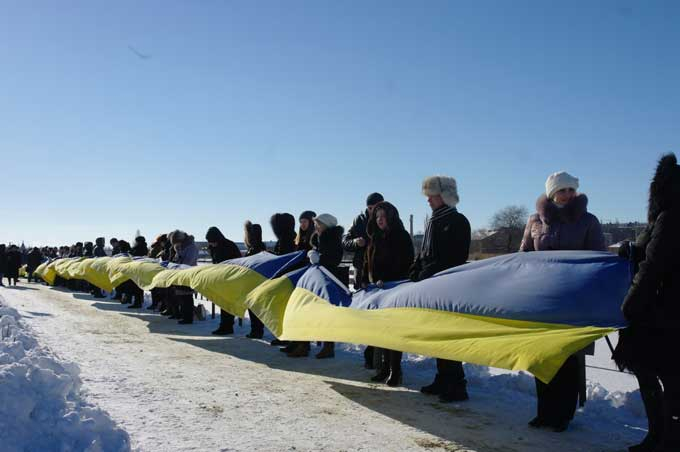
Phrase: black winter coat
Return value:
(449, 236)
(389, 258)
(3, 259)
(99, 251)
(256, 248)
(35, 258)
(140, 249)
(13, 264)
(224, 250)
(329, 246)
(357, 230)
(652, 305)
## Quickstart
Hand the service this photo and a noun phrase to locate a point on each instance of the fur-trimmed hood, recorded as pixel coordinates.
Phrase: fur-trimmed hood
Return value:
(394, 223)
(664, 191)
(572, 212)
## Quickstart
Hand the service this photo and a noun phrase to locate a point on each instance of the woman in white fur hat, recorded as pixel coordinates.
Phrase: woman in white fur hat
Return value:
(562, 222)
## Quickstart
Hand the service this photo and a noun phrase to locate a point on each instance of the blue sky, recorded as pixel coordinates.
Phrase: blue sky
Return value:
(249, 108)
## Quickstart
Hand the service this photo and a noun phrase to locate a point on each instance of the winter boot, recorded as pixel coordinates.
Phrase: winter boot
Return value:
(224, 330)
(289, 348)
(455, 391)
(300, 351)
(368, 357)
(652, 398)
(436, 387)
(395, 369)
(327, 351)
(383, 366)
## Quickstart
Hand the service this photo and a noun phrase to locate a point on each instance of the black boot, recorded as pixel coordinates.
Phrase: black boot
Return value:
(327, 351)
(301, 350)
(395, 369)
(290, 347)
(435, 388)
(384, 367)
(224, 330)
(368, 357)
(652, 398)
(278, 342)
(454, 391)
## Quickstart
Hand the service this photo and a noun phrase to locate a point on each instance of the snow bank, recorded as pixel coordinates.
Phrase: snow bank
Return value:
(41, 408)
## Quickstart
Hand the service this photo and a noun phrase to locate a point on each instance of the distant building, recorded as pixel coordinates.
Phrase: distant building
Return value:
(501, 241)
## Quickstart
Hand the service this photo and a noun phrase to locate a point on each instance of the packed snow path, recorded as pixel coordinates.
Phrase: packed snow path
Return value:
(177, 388)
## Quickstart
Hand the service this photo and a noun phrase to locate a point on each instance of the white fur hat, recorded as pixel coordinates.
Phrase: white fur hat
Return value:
(558, 181)
(442, 185)
(327, 219)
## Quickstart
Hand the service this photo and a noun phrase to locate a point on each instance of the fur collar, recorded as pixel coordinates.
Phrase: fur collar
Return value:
(570, 213)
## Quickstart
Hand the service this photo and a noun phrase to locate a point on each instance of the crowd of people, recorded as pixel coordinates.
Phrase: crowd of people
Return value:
(384, 251)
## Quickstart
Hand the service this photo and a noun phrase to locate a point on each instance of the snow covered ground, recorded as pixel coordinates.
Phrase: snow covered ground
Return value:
(177, 388)
(41, 405)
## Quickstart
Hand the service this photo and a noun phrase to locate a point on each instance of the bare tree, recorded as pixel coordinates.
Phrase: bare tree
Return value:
(513, 217)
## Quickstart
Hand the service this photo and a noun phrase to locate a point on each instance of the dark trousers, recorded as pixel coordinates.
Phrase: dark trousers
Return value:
(226, 319)
(256, 325)
(185, 300)
(557, 400)
(451, 371)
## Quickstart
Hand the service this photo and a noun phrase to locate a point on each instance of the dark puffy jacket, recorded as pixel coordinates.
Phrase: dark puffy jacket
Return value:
(357, 230)
(35, 258)
(389, 256)
(253, 236)
(329, 246)
(13, 263)
(283, 225)
(652, 304)
(224, 248)
(446, 243)
(140, 248)
(3, 259)
(571, 227)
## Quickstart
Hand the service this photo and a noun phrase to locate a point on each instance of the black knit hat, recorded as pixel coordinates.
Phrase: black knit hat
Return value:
(373, 199)
(308, 215)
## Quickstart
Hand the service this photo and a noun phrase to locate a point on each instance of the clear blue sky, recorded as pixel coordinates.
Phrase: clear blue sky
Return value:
(248, 108)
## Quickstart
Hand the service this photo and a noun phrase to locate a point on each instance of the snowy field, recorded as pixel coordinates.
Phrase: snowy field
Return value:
(177, 388)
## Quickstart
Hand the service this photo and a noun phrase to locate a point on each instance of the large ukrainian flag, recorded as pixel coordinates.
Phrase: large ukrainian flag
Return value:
(524, 311)
(227, 284)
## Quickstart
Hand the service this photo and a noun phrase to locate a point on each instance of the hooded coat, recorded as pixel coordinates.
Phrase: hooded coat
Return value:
(13, 263)
(224, 249)
(140, 249)
(35, 258)
(3, 259)
(571, 227)
(652, 305)
(253, 238)
(187, 253)
(283, 226)
(99, 247)
(390, 253)
(329, 246)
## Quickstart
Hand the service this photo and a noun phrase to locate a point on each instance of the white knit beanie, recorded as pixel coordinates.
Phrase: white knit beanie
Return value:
(444, 186)
(558, 181)
(327, 219)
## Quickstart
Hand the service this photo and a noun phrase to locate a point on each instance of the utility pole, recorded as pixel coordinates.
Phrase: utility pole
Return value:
(410, 229)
